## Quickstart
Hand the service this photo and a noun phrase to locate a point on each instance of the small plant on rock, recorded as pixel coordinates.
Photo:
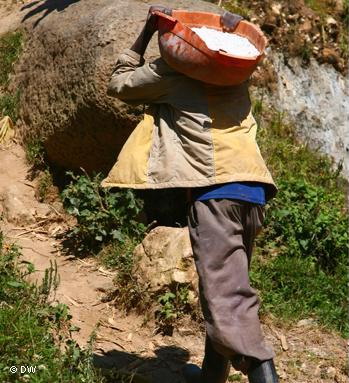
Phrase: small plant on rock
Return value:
(35, 153)
(174, 304)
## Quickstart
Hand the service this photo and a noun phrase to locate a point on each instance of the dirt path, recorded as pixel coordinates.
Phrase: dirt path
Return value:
(121, 340)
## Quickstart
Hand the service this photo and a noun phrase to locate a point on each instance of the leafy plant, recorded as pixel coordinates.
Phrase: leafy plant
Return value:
(103, 215)
(301, 263)
(167, 302)
(308, 221)
(235, 378)
(35, 152)
(174, 303)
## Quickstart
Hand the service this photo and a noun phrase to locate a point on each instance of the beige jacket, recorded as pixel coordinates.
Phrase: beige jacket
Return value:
(193, 134)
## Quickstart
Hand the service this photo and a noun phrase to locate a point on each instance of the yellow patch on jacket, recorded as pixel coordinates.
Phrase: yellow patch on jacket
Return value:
(134, 157)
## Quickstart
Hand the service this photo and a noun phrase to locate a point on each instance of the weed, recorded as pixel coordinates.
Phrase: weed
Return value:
(118, 255)
(235, 6)
(103, 215)
(321, 7)
(45, 184)
(50, 281)
(235, 378)
(344, 44)
(174, 303)
(9, 104)
(35, 153)
(345, 14)
(129, 293)
(34, 333)
(306, 52)
(10, 49)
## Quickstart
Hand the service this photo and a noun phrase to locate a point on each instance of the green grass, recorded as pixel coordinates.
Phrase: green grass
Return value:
(34, 333)
(10, 49)
(9, 104)
(45, 182)
(237, 7)
(35, 153)
(301, 263)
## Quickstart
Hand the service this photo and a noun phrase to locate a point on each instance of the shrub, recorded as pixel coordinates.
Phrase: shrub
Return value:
(103, 215)
(174, 304)
(308, 221)
(301, 263)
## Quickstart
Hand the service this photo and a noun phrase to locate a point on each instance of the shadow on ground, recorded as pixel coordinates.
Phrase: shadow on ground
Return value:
(45, 7)
(164, 368)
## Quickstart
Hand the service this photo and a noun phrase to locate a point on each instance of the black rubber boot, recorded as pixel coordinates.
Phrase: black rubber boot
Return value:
(263, 372)
(215, 367)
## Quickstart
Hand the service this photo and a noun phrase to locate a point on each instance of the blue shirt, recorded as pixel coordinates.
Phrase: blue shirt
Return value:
(246, 191)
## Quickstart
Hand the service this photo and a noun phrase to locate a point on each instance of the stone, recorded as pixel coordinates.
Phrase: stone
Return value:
(165, 257)
(270, 23)
(316, 101)
(306, 27)
(15, 206)
(330, 56)
(331, 21)
(276, 9)
(339, 5)
(331, 372)
(305, 322)
(63, 73)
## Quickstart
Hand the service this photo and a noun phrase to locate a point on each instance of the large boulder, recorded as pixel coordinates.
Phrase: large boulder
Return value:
(165, 258)
(316, 100)
(70, 50)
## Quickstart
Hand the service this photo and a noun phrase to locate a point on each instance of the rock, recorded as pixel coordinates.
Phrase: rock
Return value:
(315, 98)
(331, 372)
(70, 50)
(42, 211)
(15, 206)
(339, 5)
(306, 322)
(306, 27)
(276, 9)
(165, 257)
(269, 24)
(292, 18)
(330, 56)
(330, 21)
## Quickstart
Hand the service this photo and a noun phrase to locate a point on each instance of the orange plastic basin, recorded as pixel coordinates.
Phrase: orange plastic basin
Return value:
(187, 53)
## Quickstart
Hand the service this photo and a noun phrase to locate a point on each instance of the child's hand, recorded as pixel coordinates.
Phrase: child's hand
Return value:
(230, 21)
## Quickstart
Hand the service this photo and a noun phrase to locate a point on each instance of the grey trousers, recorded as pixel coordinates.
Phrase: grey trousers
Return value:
(222, 232)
